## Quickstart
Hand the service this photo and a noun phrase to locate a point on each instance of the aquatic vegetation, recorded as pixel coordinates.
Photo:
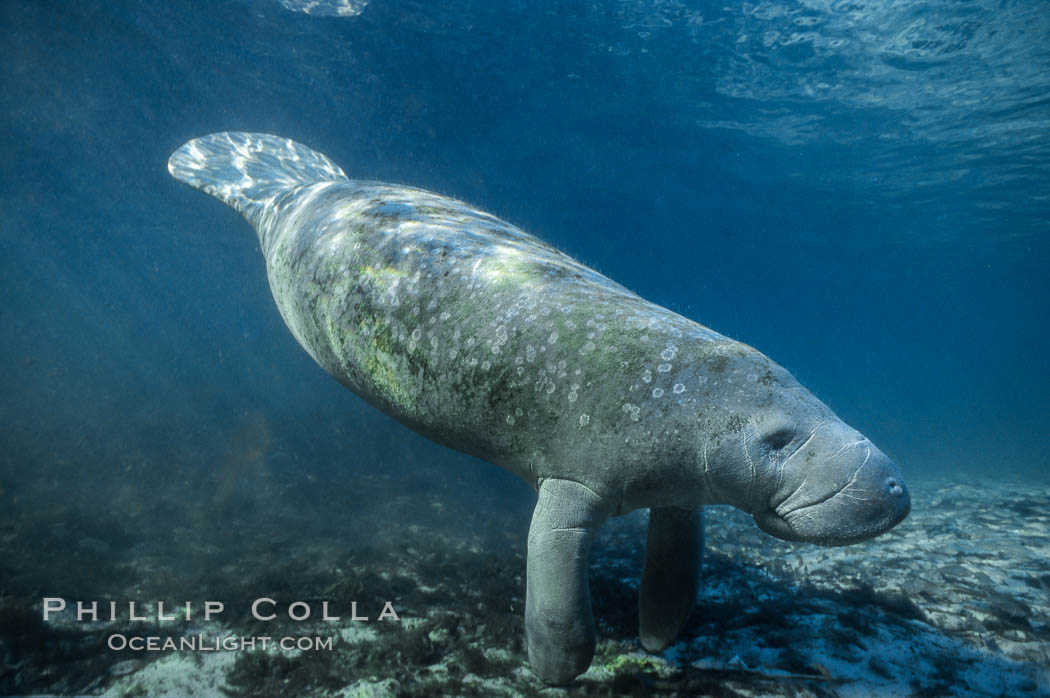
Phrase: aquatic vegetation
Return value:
(772, 618)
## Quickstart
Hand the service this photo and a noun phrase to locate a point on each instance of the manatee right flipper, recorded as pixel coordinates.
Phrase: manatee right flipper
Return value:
(559, 626)
(671, 577)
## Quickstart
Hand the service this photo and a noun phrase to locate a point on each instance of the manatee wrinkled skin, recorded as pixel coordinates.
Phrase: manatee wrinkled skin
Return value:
(487, 340)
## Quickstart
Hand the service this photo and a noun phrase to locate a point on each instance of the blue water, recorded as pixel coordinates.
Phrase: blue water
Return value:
(859, 190)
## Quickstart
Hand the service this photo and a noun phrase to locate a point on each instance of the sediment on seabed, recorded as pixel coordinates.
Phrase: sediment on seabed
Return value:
(956, 600)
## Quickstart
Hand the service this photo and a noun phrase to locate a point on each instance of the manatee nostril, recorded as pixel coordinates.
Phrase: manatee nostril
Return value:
(895, 486)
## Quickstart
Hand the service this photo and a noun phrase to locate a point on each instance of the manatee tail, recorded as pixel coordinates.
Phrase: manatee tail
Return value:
(248, 171)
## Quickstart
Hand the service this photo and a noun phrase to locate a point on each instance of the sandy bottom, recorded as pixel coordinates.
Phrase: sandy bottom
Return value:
(955, 601)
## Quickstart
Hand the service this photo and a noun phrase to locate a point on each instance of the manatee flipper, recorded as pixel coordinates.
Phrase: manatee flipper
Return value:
(249, 171)
(671, 576)
(559, 626)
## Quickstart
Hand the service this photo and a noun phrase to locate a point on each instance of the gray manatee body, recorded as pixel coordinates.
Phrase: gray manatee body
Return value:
(487, 340)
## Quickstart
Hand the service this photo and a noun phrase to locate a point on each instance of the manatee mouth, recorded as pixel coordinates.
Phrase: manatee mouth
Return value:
(775, 525)
(849, 516)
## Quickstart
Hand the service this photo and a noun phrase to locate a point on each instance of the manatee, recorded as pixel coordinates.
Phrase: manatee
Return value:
(487, 340)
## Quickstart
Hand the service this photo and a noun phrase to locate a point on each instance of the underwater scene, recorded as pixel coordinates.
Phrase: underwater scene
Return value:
(525, 348)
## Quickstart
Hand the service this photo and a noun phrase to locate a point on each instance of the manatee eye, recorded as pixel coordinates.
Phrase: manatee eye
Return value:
(778, 439)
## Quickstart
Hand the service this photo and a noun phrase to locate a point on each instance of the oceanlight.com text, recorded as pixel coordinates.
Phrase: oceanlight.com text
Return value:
(229, 643)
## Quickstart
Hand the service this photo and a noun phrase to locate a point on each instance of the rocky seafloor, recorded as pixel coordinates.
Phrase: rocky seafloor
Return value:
(954, 601)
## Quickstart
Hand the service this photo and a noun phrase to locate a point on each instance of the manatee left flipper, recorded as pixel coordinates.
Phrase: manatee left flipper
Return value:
(671, 576)
(559, 626)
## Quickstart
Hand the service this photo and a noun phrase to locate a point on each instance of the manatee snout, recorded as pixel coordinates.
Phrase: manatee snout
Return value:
(837, 495)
